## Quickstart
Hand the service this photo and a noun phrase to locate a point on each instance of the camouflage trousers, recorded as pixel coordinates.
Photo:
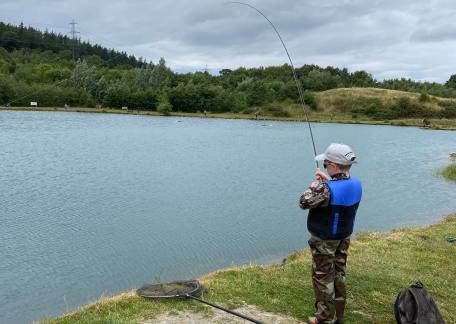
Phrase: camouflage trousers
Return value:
(329, 259)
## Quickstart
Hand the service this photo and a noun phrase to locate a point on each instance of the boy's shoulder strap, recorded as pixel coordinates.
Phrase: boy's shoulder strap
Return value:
(345, 192)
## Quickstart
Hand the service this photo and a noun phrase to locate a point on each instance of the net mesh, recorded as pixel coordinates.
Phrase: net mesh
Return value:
(171, 289)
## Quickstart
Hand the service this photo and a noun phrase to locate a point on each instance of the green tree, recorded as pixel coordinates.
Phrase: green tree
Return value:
(40, 71)
(7, 89)
(4, 66)
(150, 99)
(185, 98)
(310, 99)
(57, 74)
(451, 83)
(362, 79)
(235, 102)
(117, 96)
(10, 40)
(202, 78)
(142, 77)
(84, 77)
(259, 93)
(160, 75)
(320, 80)
(164, 106)
(288, 91)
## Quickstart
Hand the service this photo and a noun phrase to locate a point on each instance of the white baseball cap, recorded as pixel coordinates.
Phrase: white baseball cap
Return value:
(338, 153)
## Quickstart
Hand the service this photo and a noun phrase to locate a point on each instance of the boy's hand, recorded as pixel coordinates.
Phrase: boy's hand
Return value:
(320, 175)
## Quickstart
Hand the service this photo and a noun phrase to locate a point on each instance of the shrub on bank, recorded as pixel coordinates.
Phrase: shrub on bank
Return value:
(402, 107)
(449, 110)
(449, 172)
(424, 97)
(310, 100)
(274, 110)
(164, 107)
(372, 108)
(405, 107)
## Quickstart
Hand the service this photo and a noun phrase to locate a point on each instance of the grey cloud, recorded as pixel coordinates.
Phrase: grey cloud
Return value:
(431, 35)
(436, 25)
(388, 38)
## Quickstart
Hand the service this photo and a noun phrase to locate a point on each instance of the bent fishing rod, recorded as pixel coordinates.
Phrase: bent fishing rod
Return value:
(298, 84)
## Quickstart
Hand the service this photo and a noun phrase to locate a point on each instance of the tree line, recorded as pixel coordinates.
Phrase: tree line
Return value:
(37, 66)
(21, 37)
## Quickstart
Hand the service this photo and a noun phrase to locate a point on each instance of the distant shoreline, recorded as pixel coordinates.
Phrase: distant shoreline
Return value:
(315, 117)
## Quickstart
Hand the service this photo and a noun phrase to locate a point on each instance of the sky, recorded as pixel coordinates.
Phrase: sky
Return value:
(388, 38)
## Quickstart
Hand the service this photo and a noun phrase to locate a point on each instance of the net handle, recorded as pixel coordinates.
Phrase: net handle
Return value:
(192, 295)
(224, 309)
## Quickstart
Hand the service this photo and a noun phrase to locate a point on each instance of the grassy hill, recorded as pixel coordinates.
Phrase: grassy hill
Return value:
(370, 106)
(345, 99)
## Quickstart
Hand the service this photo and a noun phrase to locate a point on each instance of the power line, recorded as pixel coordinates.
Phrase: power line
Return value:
(108, 43)
(73, 33)
(108, 40)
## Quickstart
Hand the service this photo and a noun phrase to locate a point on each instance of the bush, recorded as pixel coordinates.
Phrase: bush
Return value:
(259, 93)
(424, 97)
(288, 91)
(320, 80)
(164, 107)
(185, 98)
(7, 92)
(449, 172)
(446, 103)
(117, 96)
(150, 99)
(236, 101)
(309, 99)
(404, 107)
(449, 111)
(370, 107)
(193, 98)
(274, 110)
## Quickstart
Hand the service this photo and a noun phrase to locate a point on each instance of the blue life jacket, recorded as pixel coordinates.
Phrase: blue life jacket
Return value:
(336, 221)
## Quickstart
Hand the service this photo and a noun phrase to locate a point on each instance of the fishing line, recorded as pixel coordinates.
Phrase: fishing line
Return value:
(31, 94)
(298, 84)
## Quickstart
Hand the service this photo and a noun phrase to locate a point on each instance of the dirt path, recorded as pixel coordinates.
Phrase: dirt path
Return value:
(219, 316)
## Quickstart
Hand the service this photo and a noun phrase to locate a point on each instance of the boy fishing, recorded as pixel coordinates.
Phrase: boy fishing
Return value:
(332, 200)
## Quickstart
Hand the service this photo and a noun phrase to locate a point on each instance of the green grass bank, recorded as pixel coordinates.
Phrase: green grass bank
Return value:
(379, 266)
(449, 172)
(343, 105)
(297, 115)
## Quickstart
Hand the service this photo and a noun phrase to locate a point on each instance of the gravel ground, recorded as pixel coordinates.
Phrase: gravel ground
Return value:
(219, 316)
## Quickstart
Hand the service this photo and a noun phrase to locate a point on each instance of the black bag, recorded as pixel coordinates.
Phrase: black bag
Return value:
(414, 305)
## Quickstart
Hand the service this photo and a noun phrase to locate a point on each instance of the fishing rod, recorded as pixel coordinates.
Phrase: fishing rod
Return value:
(298, 84)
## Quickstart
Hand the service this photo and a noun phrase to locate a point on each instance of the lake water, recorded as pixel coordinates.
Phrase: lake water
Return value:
(94, 204)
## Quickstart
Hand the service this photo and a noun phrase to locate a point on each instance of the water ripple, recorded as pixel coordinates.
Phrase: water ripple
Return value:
(96, 204)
